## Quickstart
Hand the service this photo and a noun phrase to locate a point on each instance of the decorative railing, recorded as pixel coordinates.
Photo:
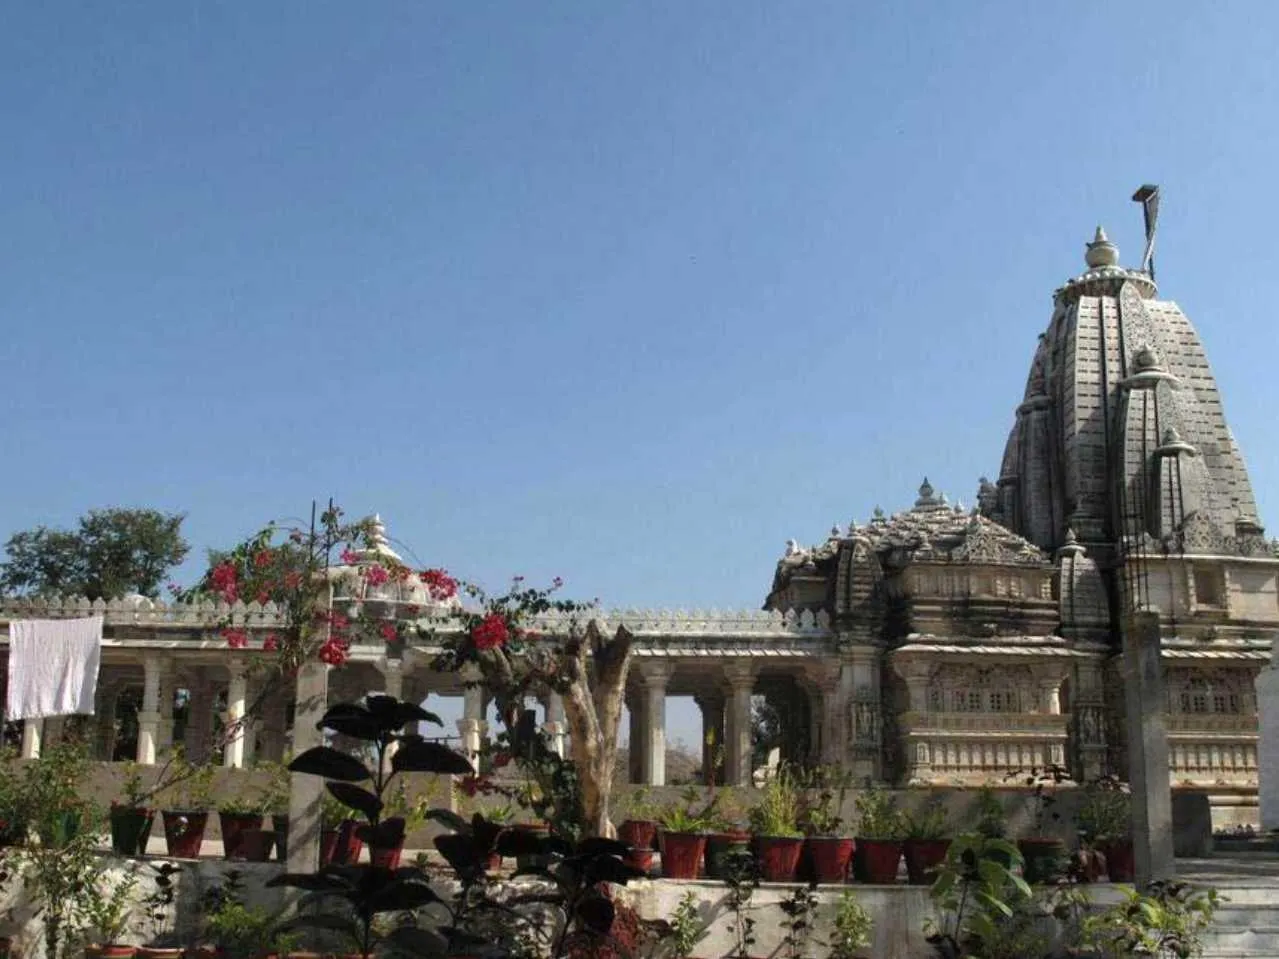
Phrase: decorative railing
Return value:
(1213, 762)
(210, 614)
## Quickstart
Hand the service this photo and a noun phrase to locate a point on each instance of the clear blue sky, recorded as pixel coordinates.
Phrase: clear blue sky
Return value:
(625, 293)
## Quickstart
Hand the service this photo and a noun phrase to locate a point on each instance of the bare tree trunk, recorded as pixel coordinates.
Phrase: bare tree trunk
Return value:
(597, 669)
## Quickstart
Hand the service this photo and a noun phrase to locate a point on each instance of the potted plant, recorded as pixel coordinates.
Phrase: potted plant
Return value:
(157, 911)
(104, 909)
(927, 840)
(682, 836)
(639, 829)
(1105, 824)
(798, 908)
(775, 823)
(686, 929)
(878, 848)
(339, 844)
(239, 814)
(727, 834)
(850, 932)
(1164, 920)
(275, 803)
(991, 820)
(982, 907)
(387, 851)
(239, 930)
(130, 818)
(1044, 855)
(828, 849)
(185, 819)
(503, 816)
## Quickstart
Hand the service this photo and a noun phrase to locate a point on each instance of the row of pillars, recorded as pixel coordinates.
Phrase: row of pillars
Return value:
(473, 728)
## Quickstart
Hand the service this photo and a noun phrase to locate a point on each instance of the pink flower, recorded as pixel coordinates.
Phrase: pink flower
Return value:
(491, 632)
(349, 557)
(334, 652)
(292, 580)
(389, 632)
(235, 638)
(376, 575)
(262, 558)
(271, 643)
(439, 584)
(223, 580)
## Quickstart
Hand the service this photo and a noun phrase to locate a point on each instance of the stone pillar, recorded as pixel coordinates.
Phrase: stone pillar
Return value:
(653, 679)
(1268, 743)
(1088, 705)
(275, 728)
(740, 677)
(554, 727)
(199, 731)
(711, 705)
(236, 694)
(164, 703)
(306, 791)
(392, 671)
(1146, 700)
(635, 738)
(471, 726)
(104, 741)
(32, 735)
(149, 714)
(859, 700)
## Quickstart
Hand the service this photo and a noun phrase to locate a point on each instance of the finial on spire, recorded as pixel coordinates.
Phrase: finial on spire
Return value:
(1101, 252)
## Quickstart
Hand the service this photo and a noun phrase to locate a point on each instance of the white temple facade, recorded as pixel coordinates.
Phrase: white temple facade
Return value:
(936, 645)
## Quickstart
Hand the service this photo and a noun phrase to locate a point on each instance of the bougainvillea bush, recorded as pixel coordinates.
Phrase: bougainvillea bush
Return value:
(338, 586)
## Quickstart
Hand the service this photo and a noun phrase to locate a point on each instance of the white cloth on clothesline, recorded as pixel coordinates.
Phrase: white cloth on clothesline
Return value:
(53, 667)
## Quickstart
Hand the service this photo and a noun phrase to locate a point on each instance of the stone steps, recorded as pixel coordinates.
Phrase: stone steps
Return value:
(1247, 928)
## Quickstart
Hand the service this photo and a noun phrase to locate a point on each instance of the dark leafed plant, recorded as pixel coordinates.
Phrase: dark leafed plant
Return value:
(366, 891)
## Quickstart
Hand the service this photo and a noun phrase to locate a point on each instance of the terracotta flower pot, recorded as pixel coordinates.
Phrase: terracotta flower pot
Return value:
(534, 861)
(158, 952)
(641, 859)
(638, 833)
(682, 854)
(184, 832)
(256, 845)
(719, 847)
(1121, 862)
(778, 857)
(923, 858)
(130, 829)
(827, 858)
(234, 826)
(1044, 859)
(340, 846)
(388, 857)
(110, 951)
(875, 861)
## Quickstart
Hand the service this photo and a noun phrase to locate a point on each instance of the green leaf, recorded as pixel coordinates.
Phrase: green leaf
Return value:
(416, 941)
(448, 819)
(402, 896)
(331, 764)
(351, 719)
(424, 756)
(361, 800)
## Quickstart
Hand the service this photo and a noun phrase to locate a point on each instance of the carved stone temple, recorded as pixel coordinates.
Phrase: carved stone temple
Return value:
(934, 645)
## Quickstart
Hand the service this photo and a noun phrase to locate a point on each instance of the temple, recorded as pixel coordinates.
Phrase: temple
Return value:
(938, 645)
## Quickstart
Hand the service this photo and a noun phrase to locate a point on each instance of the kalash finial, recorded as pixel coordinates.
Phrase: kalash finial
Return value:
(1101, 252)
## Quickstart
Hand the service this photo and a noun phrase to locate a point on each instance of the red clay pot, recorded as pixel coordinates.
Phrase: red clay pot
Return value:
(388, 857)
(341, 846)
(234, 826)
(875, 861)
(113, 951)
(155, 952)
(778, 857)
(828, 858)
(641, 859)
(1121, 861)
(682, 854)
(719, 847)
(1043, 859)
(923, 857)
(183, 833)
(256, 845)
(638, 833)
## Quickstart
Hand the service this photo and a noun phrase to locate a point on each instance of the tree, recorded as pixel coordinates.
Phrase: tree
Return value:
(111, 553)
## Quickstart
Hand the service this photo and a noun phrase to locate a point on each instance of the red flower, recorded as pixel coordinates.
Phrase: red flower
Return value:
(292, 580)
(491, 632)
(263, 598)
(376, 575)
(439, 584)
(501, 760)
(349, 557)
(235, 638)
(334, 652)
(389, 632)
(262, 558)
(271, 643)
(472, 785)
(223, 580)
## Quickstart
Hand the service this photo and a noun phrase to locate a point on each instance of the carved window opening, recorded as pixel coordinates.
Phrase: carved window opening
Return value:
(975, 690)
(1213, 694)
(1210, 587)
